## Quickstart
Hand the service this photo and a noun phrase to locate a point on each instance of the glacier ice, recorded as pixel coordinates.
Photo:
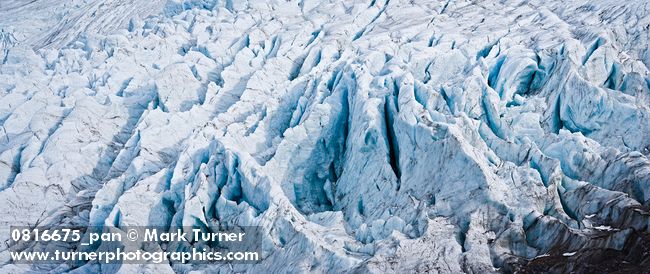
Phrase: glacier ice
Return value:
(373, 136)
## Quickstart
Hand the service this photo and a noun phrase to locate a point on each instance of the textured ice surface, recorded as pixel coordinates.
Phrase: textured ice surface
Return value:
(382, 136)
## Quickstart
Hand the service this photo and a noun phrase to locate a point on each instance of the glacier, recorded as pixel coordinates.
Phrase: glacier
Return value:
(381, 136)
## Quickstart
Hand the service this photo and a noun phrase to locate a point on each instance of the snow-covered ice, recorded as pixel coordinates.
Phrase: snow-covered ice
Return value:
(383, 136)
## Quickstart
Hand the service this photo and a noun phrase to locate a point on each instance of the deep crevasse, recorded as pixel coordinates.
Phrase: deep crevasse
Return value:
(380, 136)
